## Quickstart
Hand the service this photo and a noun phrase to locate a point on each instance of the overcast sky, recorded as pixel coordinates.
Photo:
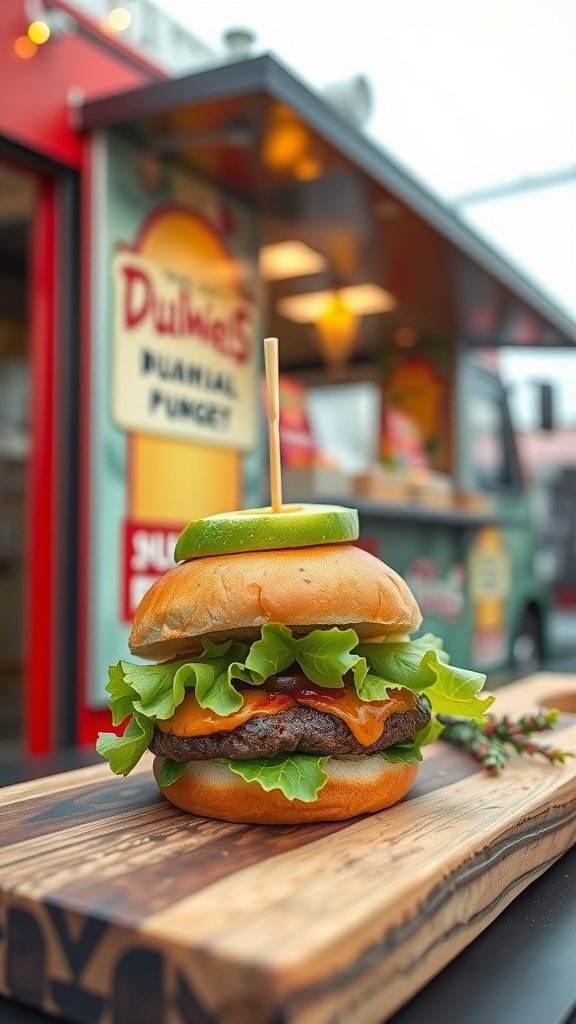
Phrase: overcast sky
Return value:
(467, 94)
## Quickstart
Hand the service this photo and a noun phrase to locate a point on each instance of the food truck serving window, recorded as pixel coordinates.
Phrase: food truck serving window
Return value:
(493, 462)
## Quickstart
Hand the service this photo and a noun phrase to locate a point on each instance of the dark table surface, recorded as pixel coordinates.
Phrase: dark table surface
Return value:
(520, 970)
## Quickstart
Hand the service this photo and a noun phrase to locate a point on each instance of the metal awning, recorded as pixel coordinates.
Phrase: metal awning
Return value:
(370, 217)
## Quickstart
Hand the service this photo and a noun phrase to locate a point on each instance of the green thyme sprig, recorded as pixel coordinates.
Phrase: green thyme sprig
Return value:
(493, 740)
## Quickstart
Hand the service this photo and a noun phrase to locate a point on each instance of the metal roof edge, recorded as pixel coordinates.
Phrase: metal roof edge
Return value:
(212, 82)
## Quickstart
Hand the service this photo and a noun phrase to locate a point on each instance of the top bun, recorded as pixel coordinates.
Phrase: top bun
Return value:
(225, 596)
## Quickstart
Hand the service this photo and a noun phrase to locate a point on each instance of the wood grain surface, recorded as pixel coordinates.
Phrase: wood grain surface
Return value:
(116, 908)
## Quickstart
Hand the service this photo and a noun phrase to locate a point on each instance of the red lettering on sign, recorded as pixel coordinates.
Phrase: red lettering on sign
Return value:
(179, 316)
(136, 295)
(148, 552)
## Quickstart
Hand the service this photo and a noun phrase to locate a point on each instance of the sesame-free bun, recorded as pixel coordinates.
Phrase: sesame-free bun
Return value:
(361, 786)
(225, 596)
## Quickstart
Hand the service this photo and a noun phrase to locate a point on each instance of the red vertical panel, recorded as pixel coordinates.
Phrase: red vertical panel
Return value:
(83, 712)
(40, 546)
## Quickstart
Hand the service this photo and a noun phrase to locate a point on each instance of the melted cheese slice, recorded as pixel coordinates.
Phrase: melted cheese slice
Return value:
(365, 719)
(190, 719)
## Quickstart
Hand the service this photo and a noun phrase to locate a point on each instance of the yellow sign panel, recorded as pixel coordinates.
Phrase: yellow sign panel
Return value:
(489, 581)
(172, 482)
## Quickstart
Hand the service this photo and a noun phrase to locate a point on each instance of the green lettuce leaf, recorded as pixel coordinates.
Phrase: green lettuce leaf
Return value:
(271, 654)
(421, 665)
(146, 693)
(298, 776)
(403, 663)
(211, 676)
(455, 690)
(368, 685)
(121, 694)
(408, 753)
(124, 752)
(324, 655)
(170, 771)
(429, 733)
(157, 690)
(411, 751)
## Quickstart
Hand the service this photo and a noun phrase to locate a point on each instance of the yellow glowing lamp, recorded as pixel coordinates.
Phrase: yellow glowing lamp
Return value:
(337, 329)
(39, 32)
(284, 145)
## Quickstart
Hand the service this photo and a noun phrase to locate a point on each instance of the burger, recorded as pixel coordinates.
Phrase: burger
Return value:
(286, 687)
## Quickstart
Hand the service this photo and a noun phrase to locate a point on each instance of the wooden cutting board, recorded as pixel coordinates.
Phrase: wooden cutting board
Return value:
(116, 908)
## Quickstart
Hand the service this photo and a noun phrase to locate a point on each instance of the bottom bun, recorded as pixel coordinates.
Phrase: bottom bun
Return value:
(211, 790)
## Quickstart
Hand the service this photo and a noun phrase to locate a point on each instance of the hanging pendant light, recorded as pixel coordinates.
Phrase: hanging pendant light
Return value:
(337, 328)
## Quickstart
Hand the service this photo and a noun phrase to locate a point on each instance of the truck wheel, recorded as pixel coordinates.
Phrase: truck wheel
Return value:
(527, 646)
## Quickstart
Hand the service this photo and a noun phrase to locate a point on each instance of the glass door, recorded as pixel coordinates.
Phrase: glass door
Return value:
(17, 200)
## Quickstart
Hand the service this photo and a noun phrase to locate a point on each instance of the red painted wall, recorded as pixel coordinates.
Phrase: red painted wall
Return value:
(34, 108)
(34, 113)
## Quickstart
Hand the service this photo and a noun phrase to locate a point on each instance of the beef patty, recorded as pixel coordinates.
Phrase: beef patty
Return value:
(301, 729)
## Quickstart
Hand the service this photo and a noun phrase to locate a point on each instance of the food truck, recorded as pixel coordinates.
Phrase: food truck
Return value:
(152, 230)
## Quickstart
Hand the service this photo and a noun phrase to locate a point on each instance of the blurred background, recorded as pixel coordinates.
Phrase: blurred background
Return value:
(391, 190)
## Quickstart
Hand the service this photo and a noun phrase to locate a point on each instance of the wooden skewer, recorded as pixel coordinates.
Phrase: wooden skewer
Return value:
(271, 364)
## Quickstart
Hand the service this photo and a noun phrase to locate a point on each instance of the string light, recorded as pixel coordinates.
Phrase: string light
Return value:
(24, 47)
(119, 19)
(39, 32)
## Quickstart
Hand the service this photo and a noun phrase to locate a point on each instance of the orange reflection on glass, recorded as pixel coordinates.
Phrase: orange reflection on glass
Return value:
(308, 168)
(405, 337)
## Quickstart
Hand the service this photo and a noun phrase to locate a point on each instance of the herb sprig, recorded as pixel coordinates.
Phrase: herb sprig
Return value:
(493, 740)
